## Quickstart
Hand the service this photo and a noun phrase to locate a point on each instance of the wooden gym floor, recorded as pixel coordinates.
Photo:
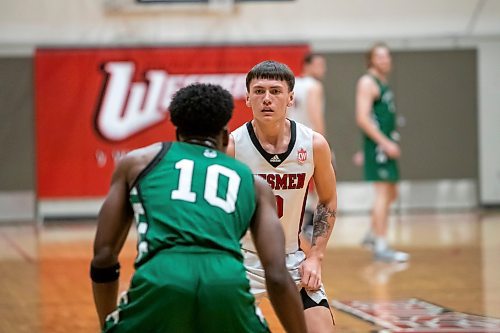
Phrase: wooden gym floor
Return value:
(455, 263)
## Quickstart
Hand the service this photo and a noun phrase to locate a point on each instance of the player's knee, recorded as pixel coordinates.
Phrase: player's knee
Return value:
(319, 320)
(394, 193)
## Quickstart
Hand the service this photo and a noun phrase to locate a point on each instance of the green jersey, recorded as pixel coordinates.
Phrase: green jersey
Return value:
(378, 166)
(192, 198)
(192, 205)
(384, 111)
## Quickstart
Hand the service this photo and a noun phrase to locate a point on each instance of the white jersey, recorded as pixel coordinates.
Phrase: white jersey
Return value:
(298, 111)
(287, 173)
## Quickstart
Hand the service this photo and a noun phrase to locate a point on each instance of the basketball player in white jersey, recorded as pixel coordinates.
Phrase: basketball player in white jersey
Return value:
(309, 101)
(288, 154)
(309, 109)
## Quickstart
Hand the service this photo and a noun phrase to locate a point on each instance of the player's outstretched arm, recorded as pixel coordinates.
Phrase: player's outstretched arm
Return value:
(269, 241)
(113, 225)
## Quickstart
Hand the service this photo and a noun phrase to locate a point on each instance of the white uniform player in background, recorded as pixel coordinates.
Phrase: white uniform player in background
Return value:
(288, 154)
(309, 109)
(309, 98)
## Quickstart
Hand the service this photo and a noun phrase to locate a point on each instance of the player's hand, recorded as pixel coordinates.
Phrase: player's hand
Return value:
(310, 273)
(358, 159)
(391, 149)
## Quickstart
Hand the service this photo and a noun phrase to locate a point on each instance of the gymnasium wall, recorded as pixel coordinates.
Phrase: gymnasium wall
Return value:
(425, 84)
(17, 124)
(446, 80)
(436, 101)
(489, 122)
(120, 22)
(17, 153)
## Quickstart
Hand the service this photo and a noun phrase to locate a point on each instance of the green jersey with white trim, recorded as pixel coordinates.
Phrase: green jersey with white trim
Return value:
(191, 198)
(378, 166)
(383, 113)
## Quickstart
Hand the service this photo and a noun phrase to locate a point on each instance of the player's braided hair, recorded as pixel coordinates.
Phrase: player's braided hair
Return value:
(271, 70)
(201, 109)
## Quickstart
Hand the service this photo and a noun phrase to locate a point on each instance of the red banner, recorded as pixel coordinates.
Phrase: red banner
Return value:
(94, 105)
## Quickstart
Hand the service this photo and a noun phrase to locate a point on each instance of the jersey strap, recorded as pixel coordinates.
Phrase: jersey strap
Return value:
(274, 159)
(165, 147)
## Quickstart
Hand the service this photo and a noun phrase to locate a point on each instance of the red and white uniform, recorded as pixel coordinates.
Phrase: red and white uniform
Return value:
(288, 174)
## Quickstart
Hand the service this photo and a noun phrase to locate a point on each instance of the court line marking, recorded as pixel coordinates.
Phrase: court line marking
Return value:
(23, 253)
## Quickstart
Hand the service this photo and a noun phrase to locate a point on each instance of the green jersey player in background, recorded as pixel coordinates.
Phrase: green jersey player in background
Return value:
(376, 117)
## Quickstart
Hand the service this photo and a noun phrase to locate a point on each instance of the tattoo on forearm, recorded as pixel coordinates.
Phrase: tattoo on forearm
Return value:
(320, 222)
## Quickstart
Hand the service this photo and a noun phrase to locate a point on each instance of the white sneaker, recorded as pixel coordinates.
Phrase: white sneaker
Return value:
(390, 255)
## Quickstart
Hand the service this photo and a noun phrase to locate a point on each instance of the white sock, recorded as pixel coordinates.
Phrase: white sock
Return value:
(380, 244)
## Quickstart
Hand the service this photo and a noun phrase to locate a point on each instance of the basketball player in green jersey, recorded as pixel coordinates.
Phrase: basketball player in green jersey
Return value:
(376, 116)
(192, 204)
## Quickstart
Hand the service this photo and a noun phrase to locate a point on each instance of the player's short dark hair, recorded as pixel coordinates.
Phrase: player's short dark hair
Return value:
(201, 109)
(271, 70)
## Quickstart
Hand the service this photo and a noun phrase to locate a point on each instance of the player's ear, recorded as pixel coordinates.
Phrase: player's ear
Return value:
(292, 99)
(247, 100)
(225, 137)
